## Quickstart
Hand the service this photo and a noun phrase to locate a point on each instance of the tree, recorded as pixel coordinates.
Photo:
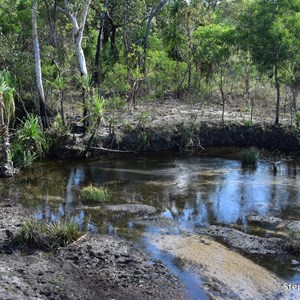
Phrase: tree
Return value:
(78, 35)
(154, 12)
(7, 110)
(78, 31)
(213, 47)
(267, 31)
(38, 68)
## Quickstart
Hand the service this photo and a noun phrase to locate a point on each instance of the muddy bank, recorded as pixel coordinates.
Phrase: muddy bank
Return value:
(179, 125)
(96, 267)
(179, 137)
(248, 243)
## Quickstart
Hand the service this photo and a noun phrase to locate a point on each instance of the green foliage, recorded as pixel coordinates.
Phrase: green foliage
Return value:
(58, 126)
(213, 42)
(247, 123)
(37, 234)
(30, 142)
(7, 91)
(249, 156)
(142, 119)
(163, 72)
(96, 107)
(294, 238)
(297, 118)
(116, 79)
(94, 194)
(267, 29)
(30, 135)
(21, 157)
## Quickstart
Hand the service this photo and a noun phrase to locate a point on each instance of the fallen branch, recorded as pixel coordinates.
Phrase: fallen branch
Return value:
(113, 150)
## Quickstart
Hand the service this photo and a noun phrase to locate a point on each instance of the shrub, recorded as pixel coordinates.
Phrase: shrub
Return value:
(21, 157)
(249, 156)
(30, 142)
(92, 193)
(30, 135)
(37, 234)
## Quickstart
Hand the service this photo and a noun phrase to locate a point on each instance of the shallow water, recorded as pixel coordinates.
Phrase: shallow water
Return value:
(194, 189)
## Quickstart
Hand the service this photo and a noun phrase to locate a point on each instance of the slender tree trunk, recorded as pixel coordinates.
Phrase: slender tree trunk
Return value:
(178, 94)
(38, 69)
(222, 95)
(277, 84)
(153, 14)
(62, 110)
(97, 73)
(78, 34)
(52, 17)
(295, 98)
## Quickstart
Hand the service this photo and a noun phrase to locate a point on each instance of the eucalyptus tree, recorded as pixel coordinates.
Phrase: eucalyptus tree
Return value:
(38, 68)
(79, 8)
(154, 11)
(214, 46)
(72, 11)
(268, 31)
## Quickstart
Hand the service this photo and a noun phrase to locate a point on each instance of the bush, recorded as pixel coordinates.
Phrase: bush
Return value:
(30, 135)
(92, 193)
(37, 234)
(249, 156)
(30, 142)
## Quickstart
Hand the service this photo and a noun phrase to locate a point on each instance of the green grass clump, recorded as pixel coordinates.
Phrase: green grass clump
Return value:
(95, 194)
(37, 234)
(294, 238)
(249, 156)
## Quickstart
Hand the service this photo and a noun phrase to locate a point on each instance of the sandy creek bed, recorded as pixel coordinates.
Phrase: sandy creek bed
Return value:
(231, 275)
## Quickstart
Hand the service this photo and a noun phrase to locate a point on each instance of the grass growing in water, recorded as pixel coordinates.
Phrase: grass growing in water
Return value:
(249, 156)
(37, 234)
(92, 193)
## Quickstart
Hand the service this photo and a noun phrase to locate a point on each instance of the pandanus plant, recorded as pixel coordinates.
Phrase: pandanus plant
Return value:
(7, 112)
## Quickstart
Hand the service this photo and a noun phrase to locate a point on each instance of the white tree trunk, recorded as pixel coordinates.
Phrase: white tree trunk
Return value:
(78, 33)
(38, 69)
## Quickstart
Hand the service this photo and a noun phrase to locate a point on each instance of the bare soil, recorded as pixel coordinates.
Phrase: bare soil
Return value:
(156, 126)
(95, 267)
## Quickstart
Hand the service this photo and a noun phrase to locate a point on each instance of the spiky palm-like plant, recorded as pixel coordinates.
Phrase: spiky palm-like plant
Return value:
(7, 112)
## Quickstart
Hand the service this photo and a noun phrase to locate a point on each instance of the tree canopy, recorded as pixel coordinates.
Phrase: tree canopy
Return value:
(151, 48)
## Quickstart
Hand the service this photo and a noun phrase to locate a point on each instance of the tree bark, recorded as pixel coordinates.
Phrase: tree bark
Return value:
(38, 69)
(78, 33)
(277, 84)
(97, 73)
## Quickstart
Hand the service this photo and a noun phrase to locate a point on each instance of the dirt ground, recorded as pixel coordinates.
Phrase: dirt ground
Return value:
(96, 267)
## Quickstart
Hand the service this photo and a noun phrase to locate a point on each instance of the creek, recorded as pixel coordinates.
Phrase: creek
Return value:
(195, 190)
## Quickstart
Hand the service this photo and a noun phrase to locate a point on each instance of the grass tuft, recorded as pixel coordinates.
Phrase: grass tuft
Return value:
(293, 237)
(249, 156)
(94, 194)
(37, 234)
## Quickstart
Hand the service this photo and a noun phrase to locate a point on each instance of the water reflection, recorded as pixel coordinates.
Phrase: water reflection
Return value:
(193, 189)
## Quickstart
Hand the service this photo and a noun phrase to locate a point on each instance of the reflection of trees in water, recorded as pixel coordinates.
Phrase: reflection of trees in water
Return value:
(199, 191)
